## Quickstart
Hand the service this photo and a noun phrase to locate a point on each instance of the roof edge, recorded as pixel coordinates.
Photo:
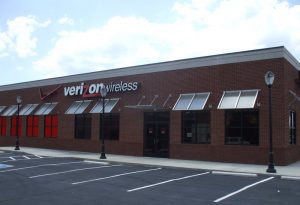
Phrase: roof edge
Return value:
(219, 59)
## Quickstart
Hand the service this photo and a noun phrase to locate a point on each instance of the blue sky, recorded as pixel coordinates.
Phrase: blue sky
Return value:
(51, 38)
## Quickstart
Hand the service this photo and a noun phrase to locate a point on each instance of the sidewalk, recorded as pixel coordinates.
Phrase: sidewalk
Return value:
(292, 170)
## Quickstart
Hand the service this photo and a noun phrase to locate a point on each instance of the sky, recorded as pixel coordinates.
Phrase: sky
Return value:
(53, 38)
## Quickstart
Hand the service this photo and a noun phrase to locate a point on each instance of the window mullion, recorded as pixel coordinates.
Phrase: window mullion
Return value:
(238, 99)
(189, 105)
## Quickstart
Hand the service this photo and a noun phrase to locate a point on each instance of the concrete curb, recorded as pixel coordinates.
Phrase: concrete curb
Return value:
(243, 174)
(290, 178)
(96, 162)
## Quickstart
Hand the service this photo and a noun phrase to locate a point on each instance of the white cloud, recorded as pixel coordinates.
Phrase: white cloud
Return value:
(20, 68)
(201, 28)
(121, 42)
(234, 25)
(18, 38)
(66, 21)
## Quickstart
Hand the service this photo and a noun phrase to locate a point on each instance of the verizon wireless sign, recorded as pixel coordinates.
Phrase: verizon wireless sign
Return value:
(93, 90)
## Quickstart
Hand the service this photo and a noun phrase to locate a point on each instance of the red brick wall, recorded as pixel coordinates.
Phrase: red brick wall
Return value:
(214, 79)
(292, 152)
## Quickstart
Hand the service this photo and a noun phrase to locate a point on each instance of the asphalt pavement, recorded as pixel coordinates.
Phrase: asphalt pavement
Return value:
(289, 171)
(43, 176)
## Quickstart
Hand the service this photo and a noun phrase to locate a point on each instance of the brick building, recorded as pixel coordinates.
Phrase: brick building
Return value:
(209, 108)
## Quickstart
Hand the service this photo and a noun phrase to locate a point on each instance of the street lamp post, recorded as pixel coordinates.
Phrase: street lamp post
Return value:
(19, 101)
(103, 92)
(269, 79)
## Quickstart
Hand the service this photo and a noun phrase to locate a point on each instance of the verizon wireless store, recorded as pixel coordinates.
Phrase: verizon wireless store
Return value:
(213, 108)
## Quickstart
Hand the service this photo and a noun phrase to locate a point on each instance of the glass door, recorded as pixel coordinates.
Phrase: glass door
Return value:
(156, 134)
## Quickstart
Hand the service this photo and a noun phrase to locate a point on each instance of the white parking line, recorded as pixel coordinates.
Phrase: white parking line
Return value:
(38, 156)
(41, 165)
(19, 156)
(5, 153)
(164, 182)
(4, 166)
(25, 159)
(243, 189)
(118, 175)
(73, 170)
(10, 156)
(13, 159)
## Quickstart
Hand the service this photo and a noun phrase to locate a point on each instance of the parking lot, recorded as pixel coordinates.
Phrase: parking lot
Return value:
(34, 179)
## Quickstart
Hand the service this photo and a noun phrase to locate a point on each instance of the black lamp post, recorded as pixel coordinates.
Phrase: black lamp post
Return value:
(19, 101)
(103, 92)
(269, 79)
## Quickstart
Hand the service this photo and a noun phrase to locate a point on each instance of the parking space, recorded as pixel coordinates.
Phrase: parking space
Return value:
(27, 179)
(6, 156)
(275, 191)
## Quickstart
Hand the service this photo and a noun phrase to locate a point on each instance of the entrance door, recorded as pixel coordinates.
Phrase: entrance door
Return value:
(156, 134)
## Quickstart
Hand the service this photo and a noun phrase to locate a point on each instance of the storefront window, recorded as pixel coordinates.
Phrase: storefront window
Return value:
(111, 126)
(292, 127)
(51, 126)
(32, 129)
(242, 127)
(13, 128)
(196, 127)
(2, 126)
(83, 125)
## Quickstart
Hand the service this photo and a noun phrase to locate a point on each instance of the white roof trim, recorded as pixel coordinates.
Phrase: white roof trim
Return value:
(244, 56)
